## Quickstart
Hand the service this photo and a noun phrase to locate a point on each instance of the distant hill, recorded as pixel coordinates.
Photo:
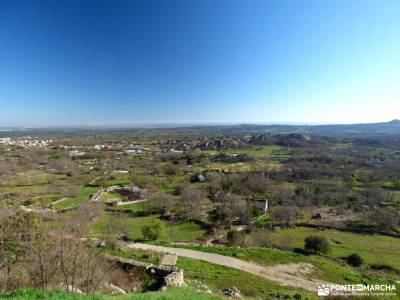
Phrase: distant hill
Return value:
(385, 128)
(392, 127)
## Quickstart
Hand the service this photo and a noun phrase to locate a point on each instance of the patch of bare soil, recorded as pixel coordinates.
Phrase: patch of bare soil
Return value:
(333, 217)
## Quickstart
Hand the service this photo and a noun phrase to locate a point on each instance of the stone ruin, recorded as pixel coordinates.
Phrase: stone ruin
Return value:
(165, 275)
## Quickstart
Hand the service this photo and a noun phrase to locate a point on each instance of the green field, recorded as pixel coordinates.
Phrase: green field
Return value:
(108, 196)
(163, 183)
(109, 224)
(119, 179)
(218, 277)
(31, 185)
(135, 207)
(83, 195)
(373, 248)
(325, 268)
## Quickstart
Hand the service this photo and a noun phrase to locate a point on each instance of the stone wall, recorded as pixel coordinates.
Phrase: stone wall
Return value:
(166, 275)
(175, 278)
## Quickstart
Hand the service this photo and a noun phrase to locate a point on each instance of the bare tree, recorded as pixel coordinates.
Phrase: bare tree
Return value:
(382, 219)
(285, 215)
(191, 197)
(232, 207)
(162, 201)
(14, 233)
(82, 267)
(42, 261)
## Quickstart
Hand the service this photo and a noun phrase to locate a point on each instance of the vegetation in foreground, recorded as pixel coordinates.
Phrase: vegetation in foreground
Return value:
(169, 294)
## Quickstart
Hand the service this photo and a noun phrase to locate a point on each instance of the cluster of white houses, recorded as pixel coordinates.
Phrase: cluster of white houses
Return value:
(25, 142)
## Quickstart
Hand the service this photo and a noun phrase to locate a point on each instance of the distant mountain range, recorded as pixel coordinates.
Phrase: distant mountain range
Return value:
(392, 127)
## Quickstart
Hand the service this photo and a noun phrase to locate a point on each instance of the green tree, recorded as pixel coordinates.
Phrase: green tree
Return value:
(316, 244)
(354, 260)
(154, 230)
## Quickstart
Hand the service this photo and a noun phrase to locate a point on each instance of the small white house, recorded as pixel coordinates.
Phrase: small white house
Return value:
(262, 204)
(5, 140)
(74, 153)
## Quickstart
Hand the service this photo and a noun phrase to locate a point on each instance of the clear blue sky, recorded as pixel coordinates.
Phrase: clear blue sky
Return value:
(88, 62)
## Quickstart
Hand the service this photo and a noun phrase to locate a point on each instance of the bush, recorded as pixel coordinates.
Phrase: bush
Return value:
(170, 168)
(354, 260)
(384, 267)
(154, 230)
(234, 237)
(316, 244)
(260, 238)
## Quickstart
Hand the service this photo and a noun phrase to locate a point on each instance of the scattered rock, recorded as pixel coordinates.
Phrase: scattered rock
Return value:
(117, 289)
(102, 244)
(197, 178)
(174, 278)
(316, 216)
(232, 292)
(124, 237)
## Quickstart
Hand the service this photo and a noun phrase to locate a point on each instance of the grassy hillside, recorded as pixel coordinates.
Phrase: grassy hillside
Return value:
(169, 294)
(373, 248)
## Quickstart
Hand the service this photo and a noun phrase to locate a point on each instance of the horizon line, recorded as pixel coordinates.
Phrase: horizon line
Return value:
(160, 125)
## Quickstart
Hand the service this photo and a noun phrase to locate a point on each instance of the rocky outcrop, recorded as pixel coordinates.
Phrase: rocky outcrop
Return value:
(204, 143)
(232, 292)
(175, 278)
(224, 142)
(197, 178)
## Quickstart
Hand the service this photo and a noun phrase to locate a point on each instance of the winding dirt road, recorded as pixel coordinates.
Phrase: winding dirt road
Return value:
(292, 274)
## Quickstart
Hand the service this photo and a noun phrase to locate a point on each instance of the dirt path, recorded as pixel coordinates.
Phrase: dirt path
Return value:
(292, 274)
(37, 210)
(58, 201)
(121, 203)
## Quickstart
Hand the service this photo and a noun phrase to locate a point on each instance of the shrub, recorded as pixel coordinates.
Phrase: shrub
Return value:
(154, 230)
(234, 237)
(112, 243)
(354, 260)
(316, 244)
(384, 267)
(260, 238)
(170, 168)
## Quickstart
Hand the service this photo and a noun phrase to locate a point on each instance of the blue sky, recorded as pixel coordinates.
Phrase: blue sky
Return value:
(211, 61)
